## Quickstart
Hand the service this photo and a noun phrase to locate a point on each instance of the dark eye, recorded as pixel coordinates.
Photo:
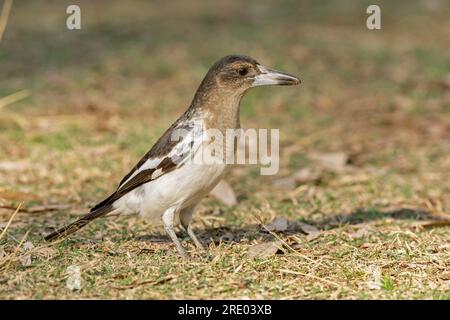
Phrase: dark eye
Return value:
(243, 71)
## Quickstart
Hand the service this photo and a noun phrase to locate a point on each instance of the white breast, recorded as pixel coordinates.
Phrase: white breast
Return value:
(182, 187)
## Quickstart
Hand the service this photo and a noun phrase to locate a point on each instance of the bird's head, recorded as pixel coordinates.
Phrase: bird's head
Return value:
(240, 73)
(230, 77)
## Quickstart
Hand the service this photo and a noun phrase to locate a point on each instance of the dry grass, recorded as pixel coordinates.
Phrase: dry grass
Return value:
(100, 97)
(4, 15)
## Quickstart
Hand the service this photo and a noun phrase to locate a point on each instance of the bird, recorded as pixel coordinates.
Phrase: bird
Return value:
(166, 185)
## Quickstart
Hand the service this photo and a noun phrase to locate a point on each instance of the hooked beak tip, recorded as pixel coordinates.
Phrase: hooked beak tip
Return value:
(295, 81)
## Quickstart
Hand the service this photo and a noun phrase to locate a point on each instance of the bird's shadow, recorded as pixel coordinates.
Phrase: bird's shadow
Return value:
(367, 215)
(256, 231)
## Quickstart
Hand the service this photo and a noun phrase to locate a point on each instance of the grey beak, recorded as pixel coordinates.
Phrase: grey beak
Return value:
(269, 77)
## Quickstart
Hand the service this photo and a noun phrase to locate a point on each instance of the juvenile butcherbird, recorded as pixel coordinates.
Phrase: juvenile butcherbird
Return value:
(164, 184)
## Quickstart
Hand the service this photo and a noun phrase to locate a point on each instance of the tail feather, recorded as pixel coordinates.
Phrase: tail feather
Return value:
(80, 223)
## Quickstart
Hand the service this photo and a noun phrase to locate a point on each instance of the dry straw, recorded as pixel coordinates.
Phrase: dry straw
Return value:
(9, 222)
(7, 4)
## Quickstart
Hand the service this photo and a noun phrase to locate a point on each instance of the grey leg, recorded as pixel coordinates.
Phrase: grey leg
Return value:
(185, 219)
(168, 218)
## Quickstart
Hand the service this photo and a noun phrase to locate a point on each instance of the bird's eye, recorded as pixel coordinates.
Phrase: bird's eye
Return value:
(243, 71)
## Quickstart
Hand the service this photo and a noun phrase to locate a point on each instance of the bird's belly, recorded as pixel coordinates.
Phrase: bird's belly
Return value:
(182, 187)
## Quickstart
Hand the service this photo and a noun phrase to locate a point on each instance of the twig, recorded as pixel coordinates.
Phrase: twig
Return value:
(14, 97)
(288, 246)
(314, 277)
(15, 251)
(10, 220)
(39, 208)
(284, 242)
(4, 16)
(141, 283)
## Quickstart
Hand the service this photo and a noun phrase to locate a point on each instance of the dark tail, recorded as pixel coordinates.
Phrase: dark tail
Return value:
(80, 223)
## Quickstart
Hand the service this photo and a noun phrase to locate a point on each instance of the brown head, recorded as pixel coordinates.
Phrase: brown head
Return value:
(233, 75)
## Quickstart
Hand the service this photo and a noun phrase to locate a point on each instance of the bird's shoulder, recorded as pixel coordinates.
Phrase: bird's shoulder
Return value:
(178, 142)
(178, 139)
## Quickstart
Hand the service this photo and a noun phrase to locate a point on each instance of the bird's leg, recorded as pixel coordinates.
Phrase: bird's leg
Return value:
(185, 219)
(194, 237)
(168, 218)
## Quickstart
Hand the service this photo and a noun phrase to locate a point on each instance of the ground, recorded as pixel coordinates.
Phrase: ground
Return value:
(370, 123)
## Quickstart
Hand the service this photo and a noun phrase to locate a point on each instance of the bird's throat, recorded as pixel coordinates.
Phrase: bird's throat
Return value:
(221, 109)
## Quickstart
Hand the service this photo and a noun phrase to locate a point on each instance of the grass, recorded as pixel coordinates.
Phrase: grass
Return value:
(99, 97)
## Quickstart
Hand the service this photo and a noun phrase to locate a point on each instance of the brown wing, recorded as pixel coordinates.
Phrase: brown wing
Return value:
(162, 149)
(170, 160)
(139, 179)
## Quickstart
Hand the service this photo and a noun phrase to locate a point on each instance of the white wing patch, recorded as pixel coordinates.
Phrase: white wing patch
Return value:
(191, 140)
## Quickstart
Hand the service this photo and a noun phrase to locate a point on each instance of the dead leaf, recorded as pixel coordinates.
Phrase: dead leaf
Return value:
(264, 250)
(17, 195)
(278, 224)
(360, 233)
(306, 175)
(287, 183)
(311, 231)
(312, 236)
(26, 258)
(74, 280)
(14, 165)
(224, 193)
(374, 277)
(334, 162)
